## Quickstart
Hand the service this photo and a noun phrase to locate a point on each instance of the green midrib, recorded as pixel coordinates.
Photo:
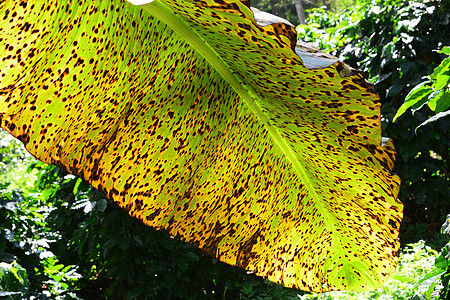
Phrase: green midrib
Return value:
(160, 11)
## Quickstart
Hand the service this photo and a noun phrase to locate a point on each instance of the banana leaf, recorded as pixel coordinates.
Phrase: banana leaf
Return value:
(199, 121)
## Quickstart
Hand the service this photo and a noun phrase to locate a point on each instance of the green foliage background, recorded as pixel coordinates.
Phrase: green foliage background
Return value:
(286, 8)
(61, 238)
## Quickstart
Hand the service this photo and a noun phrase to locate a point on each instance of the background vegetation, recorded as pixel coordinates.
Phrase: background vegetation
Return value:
(59, 238)
(286, 8)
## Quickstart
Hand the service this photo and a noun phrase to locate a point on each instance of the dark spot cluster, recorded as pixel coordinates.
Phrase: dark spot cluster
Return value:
(280, 174)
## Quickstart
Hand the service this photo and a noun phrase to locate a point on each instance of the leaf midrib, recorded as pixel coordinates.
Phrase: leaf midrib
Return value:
(160, 11)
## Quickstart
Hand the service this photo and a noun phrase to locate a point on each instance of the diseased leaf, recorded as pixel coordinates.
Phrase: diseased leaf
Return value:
(212, 128)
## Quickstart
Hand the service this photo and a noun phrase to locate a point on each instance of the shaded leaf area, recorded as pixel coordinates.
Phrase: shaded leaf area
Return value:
(268, 166)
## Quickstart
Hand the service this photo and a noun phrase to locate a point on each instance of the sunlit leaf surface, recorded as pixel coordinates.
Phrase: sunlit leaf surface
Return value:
(213, 130)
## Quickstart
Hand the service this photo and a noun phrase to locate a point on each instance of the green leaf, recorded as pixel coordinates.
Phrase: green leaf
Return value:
(77, 185)
(211, 127)
(442, 67)
(440, 102)
(389, 50)
(441, 75)
(429, 282)
(445, 229)
(13, 276)
(444, 50)
(416, 97)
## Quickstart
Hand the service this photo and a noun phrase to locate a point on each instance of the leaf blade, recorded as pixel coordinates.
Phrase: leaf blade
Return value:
(416, 97)
(241, 219)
